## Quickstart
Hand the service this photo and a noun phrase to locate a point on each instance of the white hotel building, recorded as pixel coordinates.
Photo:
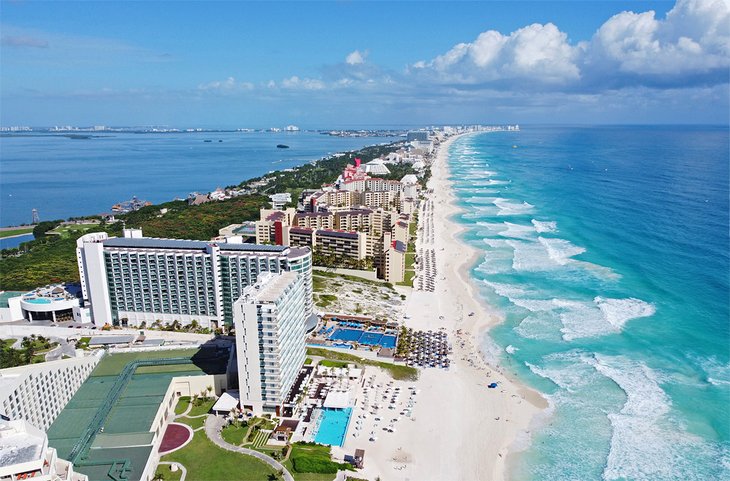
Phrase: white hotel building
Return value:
(269, 321)
(134, 279)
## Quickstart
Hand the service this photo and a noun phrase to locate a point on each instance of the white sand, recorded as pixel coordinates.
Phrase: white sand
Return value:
(462, 430)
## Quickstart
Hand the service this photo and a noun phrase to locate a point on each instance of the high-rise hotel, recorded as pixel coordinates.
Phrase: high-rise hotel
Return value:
(133, 279)
(269, 339)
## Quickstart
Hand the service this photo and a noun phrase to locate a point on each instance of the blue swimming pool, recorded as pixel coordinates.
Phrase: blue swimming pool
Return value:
(39, 300)
(363, 337)
(333, 426)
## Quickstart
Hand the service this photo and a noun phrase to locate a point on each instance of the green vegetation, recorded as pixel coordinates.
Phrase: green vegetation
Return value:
(333, 275)
(18, 231)
(308, 361)
(32, 351)
(163, 473)
(207, 462)
(72, 230)
(83, 343)
(182, 405)
(235, 434)
(52, 258)
(313, 458)
(324, 300)
(396, 371)
(194, 423)
(329, 363)
(201, 405)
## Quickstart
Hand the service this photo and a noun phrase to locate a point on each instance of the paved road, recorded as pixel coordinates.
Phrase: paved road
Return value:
(213, 426)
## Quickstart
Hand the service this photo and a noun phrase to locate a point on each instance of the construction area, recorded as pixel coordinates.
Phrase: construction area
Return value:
(106, 428)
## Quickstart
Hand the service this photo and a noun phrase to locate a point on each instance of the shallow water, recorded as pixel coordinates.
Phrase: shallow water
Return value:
(606, 250)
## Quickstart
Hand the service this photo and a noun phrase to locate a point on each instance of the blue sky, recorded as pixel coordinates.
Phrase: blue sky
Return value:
(363, 63)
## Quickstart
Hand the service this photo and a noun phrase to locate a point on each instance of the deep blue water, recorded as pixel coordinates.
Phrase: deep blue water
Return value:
(9, 242)
(606, 250)
(64, 177)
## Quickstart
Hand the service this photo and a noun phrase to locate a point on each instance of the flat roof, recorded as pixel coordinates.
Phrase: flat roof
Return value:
(183, 244)
(271, 286)
(104, 340)
(19, 443)
(5, 295)
(337, 233)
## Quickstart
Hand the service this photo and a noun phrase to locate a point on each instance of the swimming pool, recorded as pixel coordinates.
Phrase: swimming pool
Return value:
(363, 337)
(38, 300)
(333, 426)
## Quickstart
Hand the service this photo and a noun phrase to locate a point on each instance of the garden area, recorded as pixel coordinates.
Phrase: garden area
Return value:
(205, 461)
(32, 350)
(313, 462)
(396, 371)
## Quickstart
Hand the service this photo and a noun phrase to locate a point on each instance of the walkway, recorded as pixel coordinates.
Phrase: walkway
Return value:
(213, 426)
(180, 466)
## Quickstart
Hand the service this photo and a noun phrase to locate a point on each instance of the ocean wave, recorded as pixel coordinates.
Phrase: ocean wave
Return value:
(507, 207)
(560, 250)
(646, 442)
(545, 226)
(618, 311)
(511, 349)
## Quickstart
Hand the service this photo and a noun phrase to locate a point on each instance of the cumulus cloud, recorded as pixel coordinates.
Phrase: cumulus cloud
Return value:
(356, 58)
(24, 41)
(690, 46)
(538, 53)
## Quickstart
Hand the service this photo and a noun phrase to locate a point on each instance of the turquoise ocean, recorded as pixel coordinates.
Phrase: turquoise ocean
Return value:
(606, 251)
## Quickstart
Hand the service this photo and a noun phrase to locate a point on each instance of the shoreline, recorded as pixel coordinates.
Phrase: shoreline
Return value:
(461, 429)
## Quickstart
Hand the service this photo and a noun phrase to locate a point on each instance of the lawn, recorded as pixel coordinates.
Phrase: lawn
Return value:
(324, 300)
(194, 423)
(207, 462)
(312, 457)
(330, 363)
(69, 229)
(202, 408)
(235, 434)
(12, 232)
(167, 475)
(396, 371)
(182, 405)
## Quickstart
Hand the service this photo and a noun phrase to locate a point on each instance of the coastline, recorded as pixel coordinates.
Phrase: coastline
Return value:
(461, 429)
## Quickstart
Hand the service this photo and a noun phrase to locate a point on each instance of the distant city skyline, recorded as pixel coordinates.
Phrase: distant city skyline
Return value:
(360, 64)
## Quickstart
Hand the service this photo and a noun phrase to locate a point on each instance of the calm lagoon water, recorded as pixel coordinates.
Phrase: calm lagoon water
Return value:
(63, 177)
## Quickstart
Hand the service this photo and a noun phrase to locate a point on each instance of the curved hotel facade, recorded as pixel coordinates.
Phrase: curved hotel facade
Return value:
(134, 279)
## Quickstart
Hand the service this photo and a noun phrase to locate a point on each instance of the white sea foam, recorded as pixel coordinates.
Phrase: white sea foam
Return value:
(717, 373)
(560, 250)
(517, 230)
(507, 207)
(618, 311)
(646, 443)
(545, 226)
(511, 349)
(505, 290)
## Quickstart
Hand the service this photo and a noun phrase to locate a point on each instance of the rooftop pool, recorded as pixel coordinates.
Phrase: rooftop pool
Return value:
(333, 426)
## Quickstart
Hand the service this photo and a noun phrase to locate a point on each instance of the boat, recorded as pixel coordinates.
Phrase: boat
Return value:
(207, 140)
(282, 146)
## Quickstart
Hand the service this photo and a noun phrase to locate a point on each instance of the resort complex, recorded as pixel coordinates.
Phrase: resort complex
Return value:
(303, 344)
(134, 279)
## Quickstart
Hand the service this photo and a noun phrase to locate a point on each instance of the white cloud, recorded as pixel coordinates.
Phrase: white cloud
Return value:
(356, 58)
(227, 85)
(295, 82)
(540, 53)
(691, 45)
(693, 39)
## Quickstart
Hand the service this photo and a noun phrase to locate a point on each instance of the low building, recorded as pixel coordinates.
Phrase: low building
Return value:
(25, 454)
(38, 392)
(269, 319)
(280, 200)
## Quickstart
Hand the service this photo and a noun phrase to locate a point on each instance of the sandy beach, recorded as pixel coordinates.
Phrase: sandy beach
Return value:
(460, 429)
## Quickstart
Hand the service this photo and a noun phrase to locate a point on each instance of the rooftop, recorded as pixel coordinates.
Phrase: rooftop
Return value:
(5, 295)
(20, 442)
(337, 233)
(180, 244)
(269, 287)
